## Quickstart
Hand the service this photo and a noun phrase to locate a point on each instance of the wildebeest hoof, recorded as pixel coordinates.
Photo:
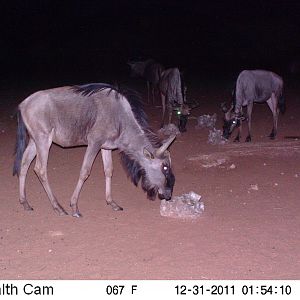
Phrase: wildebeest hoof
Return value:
(27, 206)
(60, 211)
(115, 206)
(272, 136)
(77, 214)
(120, 208)
(248, 139)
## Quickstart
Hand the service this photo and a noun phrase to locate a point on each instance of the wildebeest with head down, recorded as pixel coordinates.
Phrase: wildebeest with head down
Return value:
(172, 97)
(253, 86)
(102, 117)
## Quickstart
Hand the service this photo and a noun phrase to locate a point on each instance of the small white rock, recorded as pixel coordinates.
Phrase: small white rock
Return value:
(56, 233)
(254, 187)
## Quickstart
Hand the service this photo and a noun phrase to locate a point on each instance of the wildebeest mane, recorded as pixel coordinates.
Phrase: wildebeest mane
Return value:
(132, 168)
(90, 88)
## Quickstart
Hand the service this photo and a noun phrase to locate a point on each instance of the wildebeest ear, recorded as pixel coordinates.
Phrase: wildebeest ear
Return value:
(148, 154)
(242, 118)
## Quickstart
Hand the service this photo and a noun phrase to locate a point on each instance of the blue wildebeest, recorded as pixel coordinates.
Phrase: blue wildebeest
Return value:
(102, 117)
(253, 86)
(151, 71)
(172, 97)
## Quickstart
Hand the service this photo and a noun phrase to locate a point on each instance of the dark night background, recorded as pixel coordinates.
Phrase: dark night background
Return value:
(63, 42)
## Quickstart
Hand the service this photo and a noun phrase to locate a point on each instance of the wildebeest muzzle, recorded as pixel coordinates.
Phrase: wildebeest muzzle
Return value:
(167, 195)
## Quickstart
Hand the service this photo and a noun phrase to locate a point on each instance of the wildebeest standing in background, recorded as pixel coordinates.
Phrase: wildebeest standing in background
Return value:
(254, 86)
(101, 117)
(151, 71)
(172, 95)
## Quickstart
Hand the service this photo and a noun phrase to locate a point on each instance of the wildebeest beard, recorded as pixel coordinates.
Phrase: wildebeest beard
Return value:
(226, 129)
(137, 173)
(148, 187)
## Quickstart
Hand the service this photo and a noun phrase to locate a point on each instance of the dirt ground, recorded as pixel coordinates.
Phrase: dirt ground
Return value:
(249, 230)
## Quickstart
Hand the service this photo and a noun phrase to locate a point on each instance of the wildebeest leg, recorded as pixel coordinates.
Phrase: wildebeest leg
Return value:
(89, 157)
(163, 102)
(170, 108)
(148, 91)
(237, 138)
(108, 170)
(239, 134)
(249, 113)
(153, 94)
(28, 156)
(273, 104)
(43, 143)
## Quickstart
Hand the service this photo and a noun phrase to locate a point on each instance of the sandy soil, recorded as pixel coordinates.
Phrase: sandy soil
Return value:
(250, 228)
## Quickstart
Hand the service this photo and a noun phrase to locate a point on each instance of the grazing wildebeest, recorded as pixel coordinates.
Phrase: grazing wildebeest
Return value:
(253, 86)
(102, 117)
(151, 71)
(172, 96)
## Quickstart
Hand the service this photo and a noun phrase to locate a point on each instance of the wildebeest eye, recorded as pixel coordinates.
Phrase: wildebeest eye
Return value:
(234, 121)
(165, 169)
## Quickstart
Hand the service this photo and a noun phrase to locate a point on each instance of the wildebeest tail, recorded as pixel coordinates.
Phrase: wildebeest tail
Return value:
(182, 87)
(233, 95)
(21, 143)
(281, 104)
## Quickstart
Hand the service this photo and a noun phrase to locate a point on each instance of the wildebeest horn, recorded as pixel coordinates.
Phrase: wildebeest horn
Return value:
(223, 106)
(195, 105)
(160, 151)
